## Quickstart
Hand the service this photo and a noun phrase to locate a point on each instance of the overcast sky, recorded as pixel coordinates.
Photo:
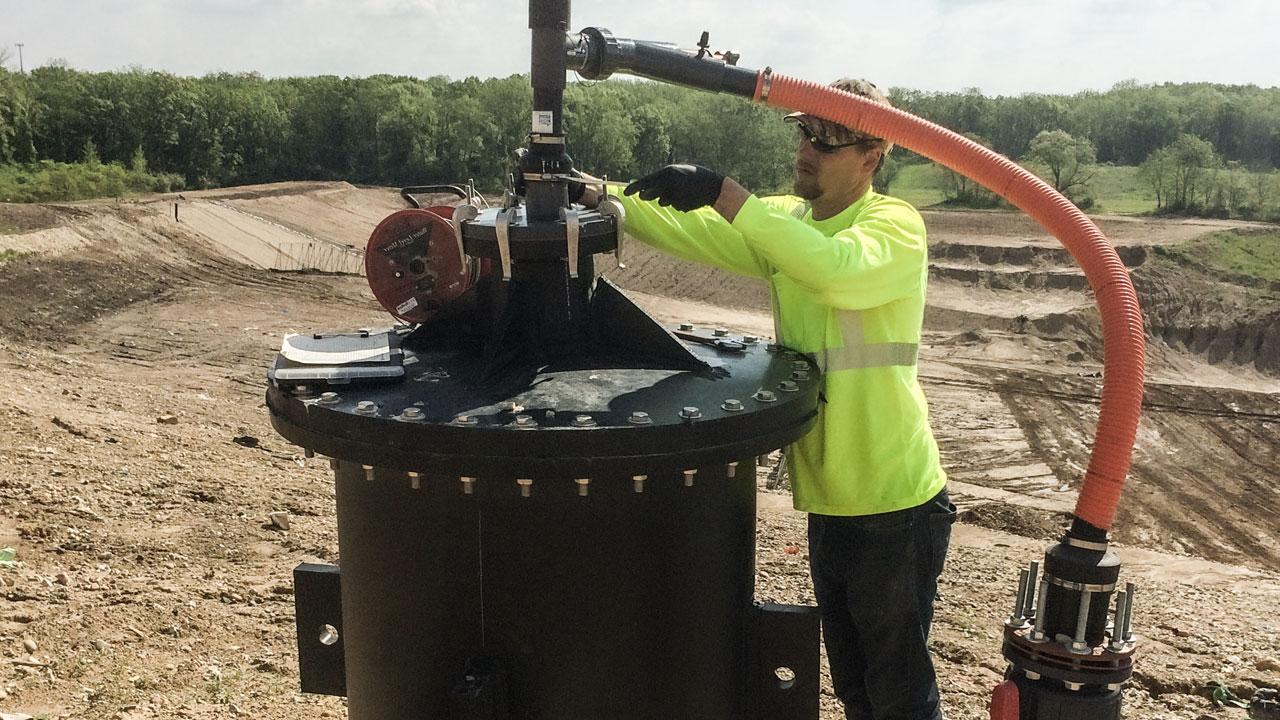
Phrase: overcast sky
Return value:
(1000, 46)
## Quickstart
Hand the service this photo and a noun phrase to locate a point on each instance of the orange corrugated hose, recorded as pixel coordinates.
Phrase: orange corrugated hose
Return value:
(1124, 344)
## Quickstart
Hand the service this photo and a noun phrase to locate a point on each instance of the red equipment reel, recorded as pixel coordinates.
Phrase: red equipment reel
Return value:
(413, 263)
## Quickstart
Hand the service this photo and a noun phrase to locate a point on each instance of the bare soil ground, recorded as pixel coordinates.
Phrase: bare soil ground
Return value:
(137, 464)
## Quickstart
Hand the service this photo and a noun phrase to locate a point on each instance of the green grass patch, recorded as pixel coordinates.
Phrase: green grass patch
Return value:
(1115, 189)
(7, 255)
(917, 185)
(1248, 254)
(48, 181)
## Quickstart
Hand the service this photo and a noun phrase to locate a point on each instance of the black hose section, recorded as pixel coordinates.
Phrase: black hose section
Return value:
(408, 192)
(661, 61)
(1084, 530)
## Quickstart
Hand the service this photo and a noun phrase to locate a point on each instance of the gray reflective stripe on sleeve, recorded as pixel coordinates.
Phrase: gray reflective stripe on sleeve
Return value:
(857, 353)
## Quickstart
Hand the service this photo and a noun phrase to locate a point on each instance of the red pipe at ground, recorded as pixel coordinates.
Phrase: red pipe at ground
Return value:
(1124, 344)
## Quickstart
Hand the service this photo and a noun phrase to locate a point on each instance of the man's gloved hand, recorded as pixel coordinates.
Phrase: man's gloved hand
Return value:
(683, 187)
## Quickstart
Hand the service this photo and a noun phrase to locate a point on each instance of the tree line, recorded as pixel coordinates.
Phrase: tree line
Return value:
(227, 129)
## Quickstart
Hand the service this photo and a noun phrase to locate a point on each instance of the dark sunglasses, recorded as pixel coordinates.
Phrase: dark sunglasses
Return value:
(823, 146)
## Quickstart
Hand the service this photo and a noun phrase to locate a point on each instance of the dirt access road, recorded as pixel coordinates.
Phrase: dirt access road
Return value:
(137, 468)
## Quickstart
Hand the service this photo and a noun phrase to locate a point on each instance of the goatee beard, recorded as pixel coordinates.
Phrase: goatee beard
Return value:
(806, 188)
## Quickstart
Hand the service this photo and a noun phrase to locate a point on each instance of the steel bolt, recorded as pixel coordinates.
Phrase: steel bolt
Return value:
(466, 420)
(526, 487)
(1016, 618)
(750, 339)
(1029, 610)
(328, 398)
(800, 375)
(731, 405)
(1074, 686)
(799, 365)
(468, 485)
(308, 453)
(1037, 634)
(640, 418)
(788, 386)
(1129, 589)
(686, 327)
(1078, 644)
(720, 332)
(368, 472)
(638, 482)
(366, 407)
(584, 421)
(412, 414)
(582, 485)
(1117, 626)
(1032, 674)
(690, 413)
(688, 477)
(526, 422)
(765, 396)
(731, 469)
(415, 481)
(771, 347)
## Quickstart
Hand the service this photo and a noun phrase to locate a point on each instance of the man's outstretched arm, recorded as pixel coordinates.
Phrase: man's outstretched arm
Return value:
(700, 235)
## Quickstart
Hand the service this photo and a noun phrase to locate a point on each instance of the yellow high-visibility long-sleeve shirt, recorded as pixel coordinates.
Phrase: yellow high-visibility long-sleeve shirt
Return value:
(848, 291)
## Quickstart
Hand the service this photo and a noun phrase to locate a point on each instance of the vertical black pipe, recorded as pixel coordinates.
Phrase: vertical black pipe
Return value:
(549, 21)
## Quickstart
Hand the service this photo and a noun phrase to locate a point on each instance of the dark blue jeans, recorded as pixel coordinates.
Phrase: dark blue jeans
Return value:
(875, 578)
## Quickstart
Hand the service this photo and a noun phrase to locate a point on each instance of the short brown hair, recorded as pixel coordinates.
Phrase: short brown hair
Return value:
(838, 134)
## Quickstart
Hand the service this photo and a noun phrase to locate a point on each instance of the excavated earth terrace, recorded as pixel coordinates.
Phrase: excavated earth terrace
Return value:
(138, 467)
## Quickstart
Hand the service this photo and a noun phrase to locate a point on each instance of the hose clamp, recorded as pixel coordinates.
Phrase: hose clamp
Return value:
(1085, 544)
(1079, 587)
(766, 83)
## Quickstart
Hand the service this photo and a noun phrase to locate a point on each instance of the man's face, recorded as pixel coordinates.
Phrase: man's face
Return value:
(820, 173)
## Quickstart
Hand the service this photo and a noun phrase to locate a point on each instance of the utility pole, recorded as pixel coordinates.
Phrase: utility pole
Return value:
(20, 68)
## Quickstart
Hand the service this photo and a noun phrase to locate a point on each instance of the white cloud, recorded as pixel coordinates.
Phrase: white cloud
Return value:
(1001, 46)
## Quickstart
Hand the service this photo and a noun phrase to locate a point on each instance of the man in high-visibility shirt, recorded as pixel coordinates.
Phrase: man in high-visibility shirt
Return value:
(847, 269)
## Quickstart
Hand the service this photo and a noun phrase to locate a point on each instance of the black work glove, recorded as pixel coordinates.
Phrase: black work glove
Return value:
(683, 187)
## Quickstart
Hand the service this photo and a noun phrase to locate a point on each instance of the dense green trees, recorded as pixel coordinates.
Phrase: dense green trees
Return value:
(1125, 124)
(242, 128)
(1068, 160)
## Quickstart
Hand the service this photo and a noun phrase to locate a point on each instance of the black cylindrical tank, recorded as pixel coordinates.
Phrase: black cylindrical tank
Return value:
(588, 539)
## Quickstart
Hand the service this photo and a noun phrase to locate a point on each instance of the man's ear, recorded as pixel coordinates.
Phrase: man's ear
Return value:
(872, 159)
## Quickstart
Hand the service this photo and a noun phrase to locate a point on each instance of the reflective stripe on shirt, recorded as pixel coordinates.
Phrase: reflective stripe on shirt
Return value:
(857, 352)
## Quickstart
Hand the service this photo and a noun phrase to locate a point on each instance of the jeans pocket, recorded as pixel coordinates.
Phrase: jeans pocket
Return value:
(940, 523)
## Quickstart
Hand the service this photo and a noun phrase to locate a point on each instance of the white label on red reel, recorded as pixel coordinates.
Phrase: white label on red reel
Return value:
(543, 121)
(407, 305)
